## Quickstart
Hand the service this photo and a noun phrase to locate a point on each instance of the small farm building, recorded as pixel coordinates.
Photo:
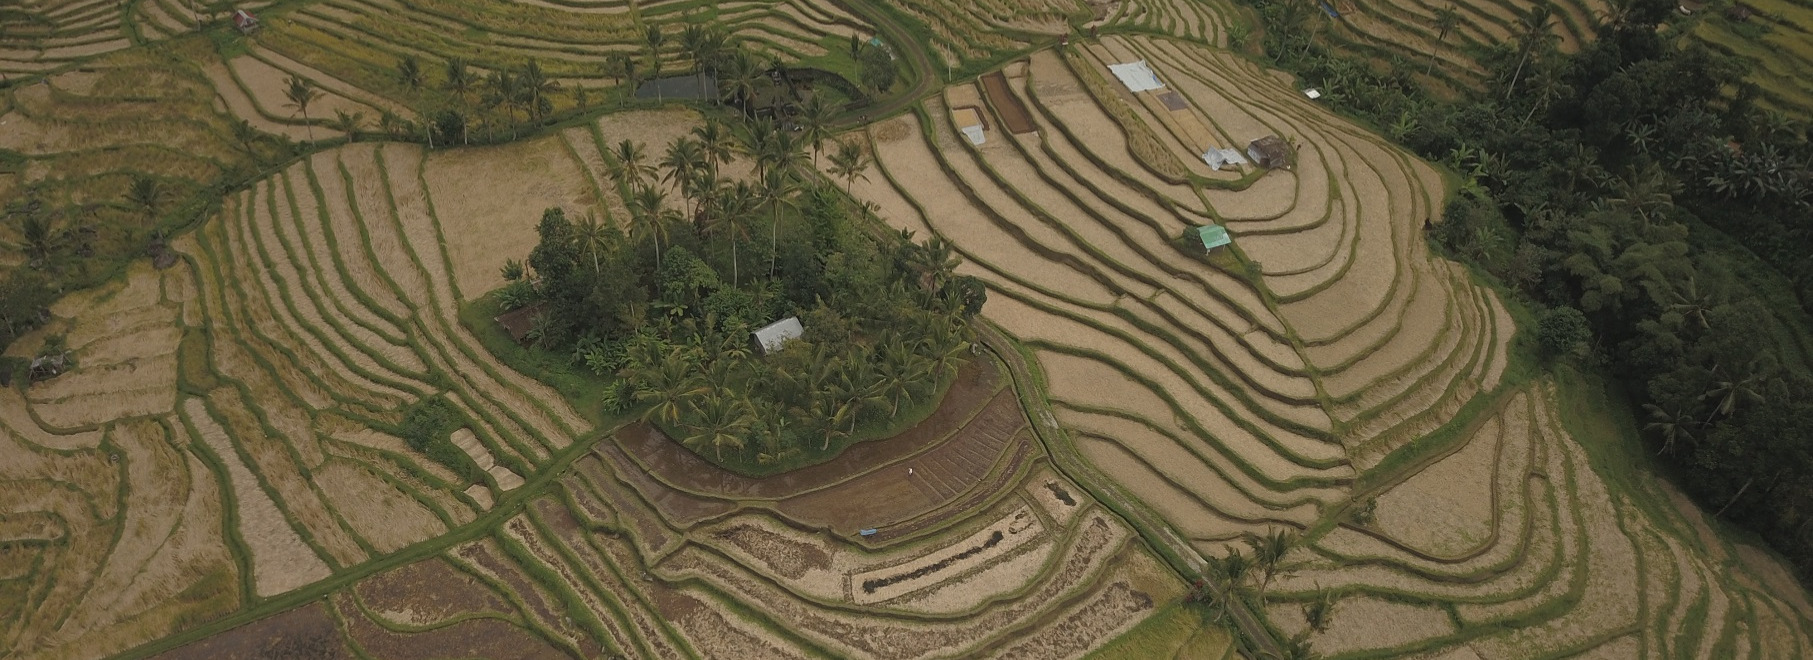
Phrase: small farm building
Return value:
(245, 21)
(1212, 236)
(1270, 152)
(774, 336)
(519, 322)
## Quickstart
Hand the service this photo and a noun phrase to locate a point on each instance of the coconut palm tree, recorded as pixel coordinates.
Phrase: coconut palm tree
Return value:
(697, 43)
(594, 239)
(683, 160)
(1445, 21)
(723, 421)
(537, 87)
(649, 216)
(849, 162)
(348, 123)
(733, 221)
(1268, 551)
(300, 93)
(741, 76)
(1728, 390)
(147, 195)
(1319, 612)
(40, 238)
(654, 38)
(1684, 298)
(668, 381)
(815, 124)
(715, 142)
(631, 167)
(460, 80)
(1535, 31)
(504, 90)
(409, 70)
(777, 189)
(1672, 425)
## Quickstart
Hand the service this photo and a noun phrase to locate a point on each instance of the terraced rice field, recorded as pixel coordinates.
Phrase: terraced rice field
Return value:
(360, 41)
(1774, 44)
(1231, 402)
(269, 365)
(1411, 29)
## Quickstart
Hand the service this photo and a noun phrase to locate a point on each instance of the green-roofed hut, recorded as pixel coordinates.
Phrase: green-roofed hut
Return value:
(1213, 236)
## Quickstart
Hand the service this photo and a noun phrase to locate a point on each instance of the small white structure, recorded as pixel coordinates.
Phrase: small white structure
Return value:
(1313, 93)
(774, 336)
(1219, 158)
(1136, 76)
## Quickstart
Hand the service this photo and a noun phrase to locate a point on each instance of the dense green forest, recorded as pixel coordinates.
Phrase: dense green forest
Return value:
(670, 305)
(1635, 195)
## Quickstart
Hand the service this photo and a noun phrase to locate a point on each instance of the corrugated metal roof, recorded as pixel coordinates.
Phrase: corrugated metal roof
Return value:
(1213, 236)
(775, 335)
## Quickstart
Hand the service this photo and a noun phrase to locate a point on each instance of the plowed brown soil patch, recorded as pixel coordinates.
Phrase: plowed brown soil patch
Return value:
(304, 632)
(1012, 111)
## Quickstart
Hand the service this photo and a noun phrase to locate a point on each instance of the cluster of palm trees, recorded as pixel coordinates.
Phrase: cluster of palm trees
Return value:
(807, 401)
(1230, 580)
(716, 205)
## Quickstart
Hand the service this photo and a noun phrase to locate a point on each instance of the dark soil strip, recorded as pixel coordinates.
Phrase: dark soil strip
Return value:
(1013, 113)
(869, 586)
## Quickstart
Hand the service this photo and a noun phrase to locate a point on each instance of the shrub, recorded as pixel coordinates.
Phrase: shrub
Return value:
(1562, 332)
(428, 428)
(517, 294)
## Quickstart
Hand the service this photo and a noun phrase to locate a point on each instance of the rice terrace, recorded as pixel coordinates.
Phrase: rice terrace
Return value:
(913, 329)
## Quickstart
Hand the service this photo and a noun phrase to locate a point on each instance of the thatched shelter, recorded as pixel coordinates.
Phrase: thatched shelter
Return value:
(519, 322)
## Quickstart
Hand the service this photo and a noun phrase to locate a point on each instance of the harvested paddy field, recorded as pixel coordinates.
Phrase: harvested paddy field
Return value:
(322, 300)
(1232, 400)
(222, 473)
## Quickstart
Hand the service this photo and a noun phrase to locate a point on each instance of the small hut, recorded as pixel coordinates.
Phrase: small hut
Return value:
(774, 336)
(244, 21)
(518, 322)
(1212, 236)
(49, 366)
(1270, 152)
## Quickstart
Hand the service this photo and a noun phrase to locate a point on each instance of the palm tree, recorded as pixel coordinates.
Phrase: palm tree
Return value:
(693, 40)
(247, 137)
(594, 238)
(654, 38)
(1446, 19)
(683, 160)
(460, 80)
(631, 167)
(1644, 193)
(901, 370)
(649, 216)
(1690, 303)
(733, 221)
(1232, 571)
(40, 238)
(723, 421)
(1672, 425)
(1536, 32)
(716, 143)
(1319, 612)
(504, 90)
(1729, 390)
(668, 382)
(741, 76)
(409, 70)
(348, 123)
(1268, 551)
(936, 262)
(815, 124)
(147, 195)
(777, 189)
(537, 86)
(849, 162)
(300, 93)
